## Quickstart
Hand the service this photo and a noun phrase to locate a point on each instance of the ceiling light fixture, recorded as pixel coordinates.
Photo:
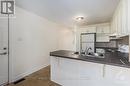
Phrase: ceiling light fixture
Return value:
(79, 18)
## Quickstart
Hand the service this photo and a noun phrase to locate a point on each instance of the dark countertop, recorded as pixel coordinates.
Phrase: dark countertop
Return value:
(111, 58)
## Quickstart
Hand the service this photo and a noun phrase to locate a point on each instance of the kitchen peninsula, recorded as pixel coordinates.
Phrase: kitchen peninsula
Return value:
(71, 69)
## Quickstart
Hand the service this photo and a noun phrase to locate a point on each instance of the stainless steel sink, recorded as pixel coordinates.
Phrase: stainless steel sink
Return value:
(94, 55)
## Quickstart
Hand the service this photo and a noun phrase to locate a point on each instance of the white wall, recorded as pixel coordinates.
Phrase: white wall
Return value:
(31, 39)
(67, 39)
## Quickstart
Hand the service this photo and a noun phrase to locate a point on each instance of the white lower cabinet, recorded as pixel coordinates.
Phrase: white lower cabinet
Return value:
(55, 67)
(65, 72)
(90, 73)
(70, 72)
(117, 76)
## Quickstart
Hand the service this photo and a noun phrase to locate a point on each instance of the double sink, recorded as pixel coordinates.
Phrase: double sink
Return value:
(94, 55)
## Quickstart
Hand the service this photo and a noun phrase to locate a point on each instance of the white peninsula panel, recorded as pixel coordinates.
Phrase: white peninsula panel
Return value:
(70, 72)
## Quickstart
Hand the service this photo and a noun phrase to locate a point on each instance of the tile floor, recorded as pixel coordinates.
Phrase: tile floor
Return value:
(40, 78)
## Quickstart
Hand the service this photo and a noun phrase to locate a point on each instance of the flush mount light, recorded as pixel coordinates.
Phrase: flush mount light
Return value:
(79, 18)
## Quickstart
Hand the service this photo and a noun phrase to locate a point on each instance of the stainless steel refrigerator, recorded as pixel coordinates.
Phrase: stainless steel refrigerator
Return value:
(88, 40)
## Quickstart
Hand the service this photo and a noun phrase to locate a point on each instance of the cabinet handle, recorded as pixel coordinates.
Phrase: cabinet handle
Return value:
(3, 53)
(103, 74)
(102, 30)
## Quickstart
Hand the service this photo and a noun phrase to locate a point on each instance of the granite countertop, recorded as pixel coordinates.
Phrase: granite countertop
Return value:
(111, 58)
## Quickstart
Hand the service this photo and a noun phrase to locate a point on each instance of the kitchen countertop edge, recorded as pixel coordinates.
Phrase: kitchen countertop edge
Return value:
(68, 54)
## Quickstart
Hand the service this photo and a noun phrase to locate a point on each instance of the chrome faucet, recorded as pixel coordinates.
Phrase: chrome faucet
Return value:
(87, 50)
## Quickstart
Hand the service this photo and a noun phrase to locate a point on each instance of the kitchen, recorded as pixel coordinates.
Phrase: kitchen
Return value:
(65, 43)
(101, 57)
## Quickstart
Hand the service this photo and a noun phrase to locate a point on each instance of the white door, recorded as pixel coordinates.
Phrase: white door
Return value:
(3, 51)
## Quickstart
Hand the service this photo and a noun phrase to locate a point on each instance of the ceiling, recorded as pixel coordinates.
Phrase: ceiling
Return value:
(64, 11)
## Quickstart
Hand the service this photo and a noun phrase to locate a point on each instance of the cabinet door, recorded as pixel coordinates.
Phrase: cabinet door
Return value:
(128, 10)
(89, 29)
(106, 29)
(124, 17)
(117, 76)
(99, 29)
(90, 38)
(103, 29)
(102, 38)
(80, 73)
(112, 28)
(55, 73)
(119, 19)
(115, 27)
(69, 72)
(114, 23)
(90, 74)
(103, 33)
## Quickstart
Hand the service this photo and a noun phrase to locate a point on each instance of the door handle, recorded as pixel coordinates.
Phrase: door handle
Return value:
(3, 53)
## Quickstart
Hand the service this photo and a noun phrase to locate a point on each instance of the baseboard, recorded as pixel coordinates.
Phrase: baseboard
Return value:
(28, 73)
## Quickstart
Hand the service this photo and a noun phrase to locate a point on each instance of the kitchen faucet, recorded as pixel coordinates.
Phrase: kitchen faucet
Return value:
(87, 50)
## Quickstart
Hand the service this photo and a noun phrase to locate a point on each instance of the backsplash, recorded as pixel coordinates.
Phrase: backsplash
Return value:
(123, 44)
(114, 43)
(124, 40)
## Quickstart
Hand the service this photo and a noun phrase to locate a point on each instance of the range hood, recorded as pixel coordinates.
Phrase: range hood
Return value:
(114, 36)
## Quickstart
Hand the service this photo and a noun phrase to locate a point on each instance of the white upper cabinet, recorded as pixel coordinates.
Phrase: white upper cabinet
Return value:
(90, 29)
(124, 17)
(103, 29)
(87, 38)
(119, 23)
(102, 38)
(103, 32)
(128, 16)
